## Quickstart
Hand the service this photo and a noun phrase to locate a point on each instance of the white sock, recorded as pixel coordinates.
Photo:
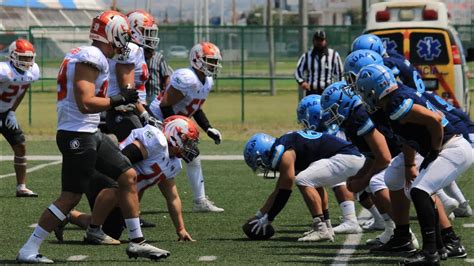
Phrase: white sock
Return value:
(348, 211)
(455, 192)
(196, 179)
(20, 187)
(375, 213)
(443, 197)
(385, 217)
(35, 240)
(133, 227)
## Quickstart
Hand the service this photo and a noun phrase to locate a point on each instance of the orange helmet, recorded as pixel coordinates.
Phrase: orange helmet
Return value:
(144, 29)
(200, 55)
(111, 27)
(182, 133)
(22, 54)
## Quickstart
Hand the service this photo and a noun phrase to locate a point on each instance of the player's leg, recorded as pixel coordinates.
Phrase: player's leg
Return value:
(345, 198)
(464, 209)
(446, 237)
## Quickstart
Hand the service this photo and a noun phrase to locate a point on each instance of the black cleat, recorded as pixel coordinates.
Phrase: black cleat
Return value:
(454, 247)
(443, 253)
(396, 244)
(146, 224)
(422, 257)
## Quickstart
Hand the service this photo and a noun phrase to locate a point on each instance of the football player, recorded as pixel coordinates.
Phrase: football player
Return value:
(155, 155)
(81, 96)
(131, 71)
(310, 160)
(446, 154)
(185, 95)
(16, 77)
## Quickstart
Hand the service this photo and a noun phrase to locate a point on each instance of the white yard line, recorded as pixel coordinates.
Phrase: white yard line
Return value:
(32, 169)
(59, 157)
(207, 258)
(77, 258)
(468, 225)
(349, 246)
(469, 260)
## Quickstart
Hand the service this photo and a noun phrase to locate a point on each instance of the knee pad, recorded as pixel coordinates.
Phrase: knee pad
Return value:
(57, 212)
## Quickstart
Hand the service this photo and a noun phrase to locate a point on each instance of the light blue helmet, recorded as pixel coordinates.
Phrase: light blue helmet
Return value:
(356, 60)
(258, 153)
(337, 102)
(373, 83)
(313, 116)
(369, 41)
(312, 102)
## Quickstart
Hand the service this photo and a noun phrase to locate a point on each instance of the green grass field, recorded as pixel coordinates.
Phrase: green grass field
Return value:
(230, 184)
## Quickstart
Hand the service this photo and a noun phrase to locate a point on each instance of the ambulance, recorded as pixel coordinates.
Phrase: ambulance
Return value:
(421, 31)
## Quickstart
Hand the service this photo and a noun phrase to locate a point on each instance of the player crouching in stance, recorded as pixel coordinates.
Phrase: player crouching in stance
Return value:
(311, 160)
(82, 86)
(155, 155)
(16, 77)
(446, 154)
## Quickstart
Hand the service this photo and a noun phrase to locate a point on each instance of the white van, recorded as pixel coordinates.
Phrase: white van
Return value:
(421, 31)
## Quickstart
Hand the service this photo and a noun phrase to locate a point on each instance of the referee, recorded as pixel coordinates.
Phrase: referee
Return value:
(159, 73)
(319, 67)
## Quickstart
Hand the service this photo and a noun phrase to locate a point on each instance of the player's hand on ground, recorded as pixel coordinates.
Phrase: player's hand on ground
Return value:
(260, 225)
(183, 235)
(10, 121)
(215, 135)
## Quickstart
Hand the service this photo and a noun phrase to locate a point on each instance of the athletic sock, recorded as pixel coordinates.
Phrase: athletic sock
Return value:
(133, 227)
(425, 211)
(348, 211)
(326, 214)
(439, 239)
(455, 192)
(402, 230)
(375, 213)
(196, 179)
(35, 240)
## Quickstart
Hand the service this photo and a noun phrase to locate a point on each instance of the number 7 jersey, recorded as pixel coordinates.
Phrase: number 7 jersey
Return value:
(13, 84)
(194, 91)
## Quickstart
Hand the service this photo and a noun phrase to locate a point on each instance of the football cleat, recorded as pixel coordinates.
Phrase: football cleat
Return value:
(330, 229)
(26, 193)
(32, 258)
(205, 205)
(145, 250)
(396, 243)
(98, 237)
(320, 232)
(422, 257)
(373, 225)
(443, 253)
(384, 237)
(348, 227)
(464, 210)
(454, 247)
(450, 205)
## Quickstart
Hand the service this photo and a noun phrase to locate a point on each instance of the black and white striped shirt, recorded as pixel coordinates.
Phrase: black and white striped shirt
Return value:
(158, 69)
(319, 70)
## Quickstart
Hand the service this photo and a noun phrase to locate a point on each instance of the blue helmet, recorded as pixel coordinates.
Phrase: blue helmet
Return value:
(356, 60)
(312, 102)
(337, 103)
(258, 153)
(369, 41)
(313, 116)
(374, 82)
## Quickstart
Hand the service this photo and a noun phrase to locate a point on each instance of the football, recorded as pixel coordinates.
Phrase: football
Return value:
(270, 231)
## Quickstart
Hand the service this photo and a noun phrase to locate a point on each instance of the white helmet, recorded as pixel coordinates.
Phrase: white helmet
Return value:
(144, 29)
(111, 27)
(22, 54)
(201, 53)
(182, 133)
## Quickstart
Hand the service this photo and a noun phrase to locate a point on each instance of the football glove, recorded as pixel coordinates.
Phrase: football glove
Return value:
(147, 119)
(214, 134)
(125, 96)
(10, 121)
(429, 158)
(260, 225)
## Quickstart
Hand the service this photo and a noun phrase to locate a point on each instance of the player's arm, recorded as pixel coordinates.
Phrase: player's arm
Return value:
(170, 98)
(378, 145)
(84, 90)
(170, 192)
(278, 199)
(20, 98)
(429, 119)
(135, 152)
(409, 154)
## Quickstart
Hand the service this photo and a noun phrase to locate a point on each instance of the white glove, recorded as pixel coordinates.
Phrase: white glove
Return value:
(214, 134)
(147, 119)
(10, 121)
(260, 224)
(125, 108)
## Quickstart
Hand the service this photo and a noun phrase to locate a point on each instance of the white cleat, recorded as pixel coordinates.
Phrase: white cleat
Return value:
(319, 232)
(451, 216)
(464, 210)
(450, 205)
(414, 241)
(373, 225)
(98, 237)
(145, 250)
(330, 229)
(348, 227)
(205, 205)
(34, 258)
(384, 237)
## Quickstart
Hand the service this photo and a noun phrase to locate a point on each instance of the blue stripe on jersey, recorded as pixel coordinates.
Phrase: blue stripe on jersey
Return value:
(402, 110)
(366, 128)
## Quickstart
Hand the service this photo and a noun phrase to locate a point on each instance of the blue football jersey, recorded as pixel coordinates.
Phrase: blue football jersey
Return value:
(407, 72)
(383, 125)
(416, 136)
(356, 126)
(311, 146)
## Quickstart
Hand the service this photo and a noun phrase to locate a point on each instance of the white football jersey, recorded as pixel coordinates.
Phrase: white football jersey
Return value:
(159, 165)
(13, 84)
(136, 57)
(195, 93)
(69, 116)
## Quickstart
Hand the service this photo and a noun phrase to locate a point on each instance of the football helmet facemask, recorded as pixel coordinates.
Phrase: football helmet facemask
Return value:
(206, 58)
(144, 29)
(22, 54)
(112, 27)
(183, 134)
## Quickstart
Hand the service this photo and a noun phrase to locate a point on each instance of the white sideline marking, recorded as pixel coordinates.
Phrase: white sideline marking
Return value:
(59, 157)
(32, 169)
(207, 258)
(348, 248)
(32, 225)
(468, 225)
(469, 260)
(77, 258)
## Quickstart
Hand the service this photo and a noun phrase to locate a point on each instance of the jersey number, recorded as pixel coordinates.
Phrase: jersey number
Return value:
(192, 107)
(431, 107)
(62, 81)
(310, 134)
(8, 96)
